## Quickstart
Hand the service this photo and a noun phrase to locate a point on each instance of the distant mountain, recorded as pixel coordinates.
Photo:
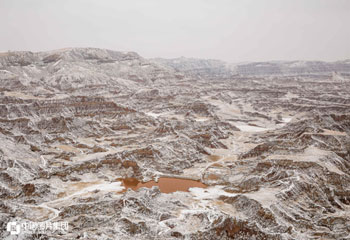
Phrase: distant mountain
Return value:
(204, 68)
(292, 68)
(78, 68)
(209, 68)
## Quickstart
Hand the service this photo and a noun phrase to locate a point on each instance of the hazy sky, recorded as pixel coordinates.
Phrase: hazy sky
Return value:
(231, 30)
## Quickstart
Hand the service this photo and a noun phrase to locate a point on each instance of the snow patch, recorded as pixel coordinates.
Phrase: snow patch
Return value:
(247, 128)
(210, 193)
(155, 115)
(286, 120)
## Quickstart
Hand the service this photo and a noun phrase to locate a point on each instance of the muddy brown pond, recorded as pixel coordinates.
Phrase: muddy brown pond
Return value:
(166, 185)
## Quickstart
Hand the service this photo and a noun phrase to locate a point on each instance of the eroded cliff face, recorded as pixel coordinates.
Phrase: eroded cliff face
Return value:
(274, 151)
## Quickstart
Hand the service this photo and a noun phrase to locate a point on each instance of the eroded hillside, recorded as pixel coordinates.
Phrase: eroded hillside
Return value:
(269, 140)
